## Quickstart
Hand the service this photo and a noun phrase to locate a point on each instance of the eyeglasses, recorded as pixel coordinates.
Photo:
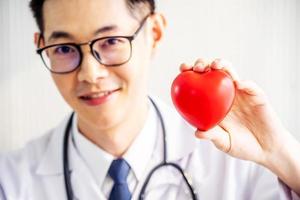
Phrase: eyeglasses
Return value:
(110, 51)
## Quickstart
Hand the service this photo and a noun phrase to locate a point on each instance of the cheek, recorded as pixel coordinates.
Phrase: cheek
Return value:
(66, 85)
(135, 74)
(139, 63)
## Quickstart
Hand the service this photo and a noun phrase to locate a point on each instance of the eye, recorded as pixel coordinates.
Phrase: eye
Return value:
(64, 49)
(113, 41)
(110, 44)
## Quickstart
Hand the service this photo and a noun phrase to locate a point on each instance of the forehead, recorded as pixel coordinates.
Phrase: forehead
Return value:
(83, 17)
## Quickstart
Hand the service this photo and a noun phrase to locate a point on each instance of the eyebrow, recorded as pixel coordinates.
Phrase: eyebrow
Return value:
(62, 34)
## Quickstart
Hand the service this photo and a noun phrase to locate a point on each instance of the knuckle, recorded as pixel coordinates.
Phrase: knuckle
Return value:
(200, 61)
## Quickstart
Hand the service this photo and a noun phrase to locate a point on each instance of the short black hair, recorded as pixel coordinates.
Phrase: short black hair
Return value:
(37, 9)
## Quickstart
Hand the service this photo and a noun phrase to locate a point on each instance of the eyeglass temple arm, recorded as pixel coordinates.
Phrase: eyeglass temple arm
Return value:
(142, 23)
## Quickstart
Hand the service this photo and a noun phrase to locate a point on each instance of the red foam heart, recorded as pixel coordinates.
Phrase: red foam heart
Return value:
(203, 99)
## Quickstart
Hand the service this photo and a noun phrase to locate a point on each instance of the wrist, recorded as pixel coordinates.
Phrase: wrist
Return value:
(282, 150)
(284, 161)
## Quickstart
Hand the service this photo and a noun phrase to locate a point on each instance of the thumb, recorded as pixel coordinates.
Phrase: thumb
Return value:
(220, 138)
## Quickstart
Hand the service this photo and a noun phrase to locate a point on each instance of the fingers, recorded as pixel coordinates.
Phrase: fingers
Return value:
(199, 66)
(203, 65)
(185, 67)
(220, 137)
(225, 66)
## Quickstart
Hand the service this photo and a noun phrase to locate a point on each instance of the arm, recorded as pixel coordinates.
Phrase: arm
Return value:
(2, 196)
(252, 131)
(287, 193)
(285, 163)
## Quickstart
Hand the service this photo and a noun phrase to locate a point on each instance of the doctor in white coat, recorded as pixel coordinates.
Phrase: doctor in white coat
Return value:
(98, 52)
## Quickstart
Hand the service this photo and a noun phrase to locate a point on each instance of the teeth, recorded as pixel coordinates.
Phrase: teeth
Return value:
(98, 95)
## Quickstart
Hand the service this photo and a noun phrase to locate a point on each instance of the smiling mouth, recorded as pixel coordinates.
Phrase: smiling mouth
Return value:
(98, 95)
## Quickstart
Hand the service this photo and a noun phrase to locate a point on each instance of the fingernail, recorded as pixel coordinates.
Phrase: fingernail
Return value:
(206, 69)
(198, 68)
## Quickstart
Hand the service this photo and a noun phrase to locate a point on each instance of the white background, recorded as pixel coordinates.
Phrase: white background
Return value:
(258, 36)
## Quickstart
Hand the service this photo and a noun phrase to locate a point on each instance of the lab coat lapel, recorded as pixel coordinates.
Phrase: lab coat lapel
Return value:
(51, 161)
(180, 135)
(182, 146)
(51, 165)
(181, 143)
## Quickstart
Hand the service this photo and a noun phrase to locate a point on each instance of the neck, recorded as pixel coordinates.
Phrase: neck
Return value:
(116, 139)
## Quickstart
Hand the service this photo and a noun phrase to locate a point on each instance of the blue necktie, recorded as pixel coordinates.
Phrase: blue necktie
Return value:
(118, 171)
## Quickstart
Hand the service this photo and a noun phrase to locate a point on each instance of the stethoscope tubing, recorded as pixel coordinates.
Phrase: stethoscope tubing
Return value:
(67, 178)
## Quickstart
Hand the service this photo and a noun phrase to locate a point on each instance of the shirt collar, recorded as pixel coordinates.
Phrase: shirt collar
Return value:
(140, 152)
(138, 155)
(97, 160)
(180, 137)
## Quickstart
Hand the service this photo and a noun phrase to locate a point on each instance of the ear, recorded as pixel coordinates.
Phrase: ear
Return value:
(158, 28)
(38, 40)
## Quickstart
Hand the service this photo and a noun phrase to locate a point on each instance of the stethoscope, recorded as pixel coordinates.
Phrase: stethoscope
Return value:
(68, 185)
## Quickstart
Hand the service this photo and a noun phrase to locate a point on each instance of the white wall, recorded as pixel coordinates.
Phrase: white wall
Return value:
(259, 37)
(297, 71)
(30, 104)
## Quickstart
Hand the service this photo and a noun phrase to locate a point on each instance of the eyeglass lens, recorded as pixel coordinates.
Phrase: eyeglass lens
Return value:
(67, 57)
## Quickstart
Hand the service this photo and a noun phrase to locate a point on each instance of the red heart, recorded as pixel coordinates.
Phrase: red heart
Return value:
(203, 99)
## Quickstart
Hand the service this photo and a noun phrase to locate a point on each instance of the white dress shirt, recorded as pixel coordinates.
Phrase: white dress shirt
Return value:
(138, 155)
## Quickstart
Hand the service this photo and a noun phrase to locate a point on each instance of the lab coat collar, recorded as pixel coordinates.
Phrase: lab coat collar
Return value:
(51, 165)
(51, 161)
(180, 141)
(180, 135)
(140, 152)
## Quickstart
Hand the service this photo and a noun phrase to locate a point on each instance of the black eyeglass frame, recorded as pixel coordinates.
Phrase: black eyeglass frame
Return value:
(91, 43)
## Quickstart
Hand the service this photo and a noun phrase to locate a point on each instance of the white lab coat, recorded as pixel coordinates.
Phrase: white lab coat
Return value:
(36, 171)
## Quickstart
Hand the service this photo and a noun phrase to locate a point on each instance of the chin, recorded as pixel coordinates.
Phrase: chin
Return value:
(104, 116)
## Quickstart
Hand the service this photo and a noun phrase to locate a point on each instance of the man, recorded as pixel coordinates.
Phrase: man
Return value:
(98, 52)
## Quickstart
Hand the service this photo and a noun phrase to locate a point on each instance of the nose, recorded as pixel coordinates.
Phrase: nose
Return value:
(91, 70)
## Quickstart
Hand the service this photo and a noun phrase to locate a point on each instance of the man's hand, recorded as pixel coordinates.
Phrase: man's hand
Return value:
(251, 130)
(254, 128)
